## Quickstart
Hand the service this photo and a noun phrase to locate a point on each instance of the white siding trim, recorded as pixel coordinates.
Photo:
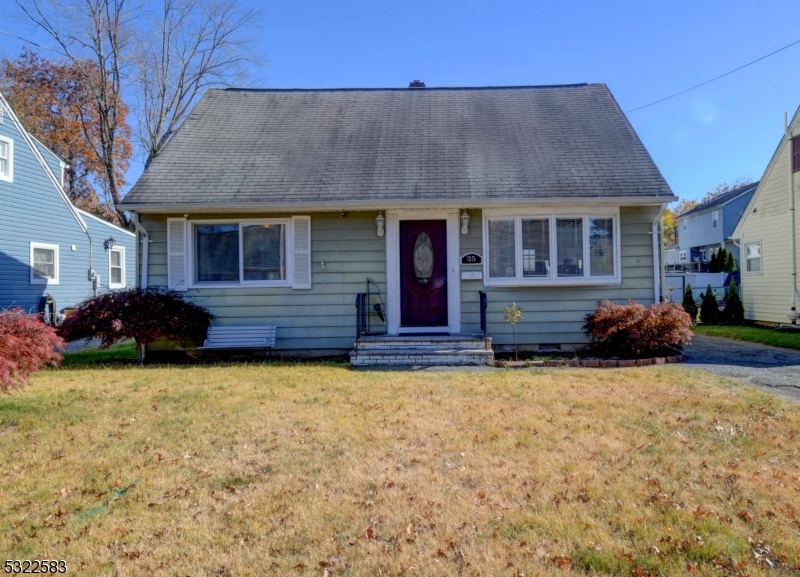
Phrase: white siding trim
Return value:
(54, 248)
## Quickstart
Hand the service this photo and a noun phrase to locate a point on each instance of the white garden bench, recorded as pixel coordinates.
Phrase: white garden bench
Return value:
(240, 337)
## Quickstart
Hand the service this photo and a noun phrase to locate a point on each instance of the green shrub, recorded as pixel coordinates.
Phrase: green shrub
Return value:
(688, 303)
(733, 313)
(709, 309)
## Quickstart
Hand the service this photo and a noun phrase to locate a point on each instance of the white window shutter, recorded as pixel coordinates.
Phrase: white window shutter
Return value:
(176, 254)
(301, 231)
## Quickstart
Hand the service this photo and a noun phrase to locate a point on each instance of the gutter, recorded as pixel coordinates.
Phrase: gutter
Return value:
(143, 249)
(469, 203)
(792, 240)
(658, 248)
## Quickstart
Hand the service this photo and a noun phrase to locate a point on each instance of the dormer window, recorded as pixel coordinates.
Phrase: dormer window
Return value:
(6, 159)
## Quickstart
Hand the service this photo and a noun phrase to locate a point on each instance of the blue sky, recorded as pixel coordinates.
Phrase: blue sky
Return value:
(642, 50)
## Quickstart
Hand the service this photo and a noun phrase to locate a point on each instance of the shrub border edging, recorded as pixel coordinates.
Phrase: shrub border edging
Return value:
(591, 363)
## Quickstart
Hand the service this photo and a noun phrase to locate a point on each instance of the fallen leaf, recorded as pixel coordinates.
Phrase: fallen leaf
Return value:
(562, 561)
(410, 529)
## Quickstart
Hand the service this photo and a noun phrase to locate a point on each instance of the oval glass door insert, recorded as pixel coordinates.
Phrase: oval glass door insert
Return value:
(423, 258)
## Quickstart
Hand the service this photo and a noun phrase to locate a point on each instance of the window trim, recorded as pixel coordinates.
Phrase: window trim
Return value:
(682, 257)
(745, 259)
(685, 224)
(121, 250)
(190, 253)
(715, 219)
(46, 246)
(10, 176)
(553, 279)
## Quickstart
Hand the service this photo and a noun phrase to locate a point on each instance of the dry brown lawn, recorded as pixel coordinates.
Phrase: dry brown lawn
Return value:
(319, 470)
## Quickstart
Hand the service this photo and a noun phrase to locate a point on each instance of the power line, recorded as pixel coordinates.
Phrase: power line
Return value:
(717, 78)
(31, 42)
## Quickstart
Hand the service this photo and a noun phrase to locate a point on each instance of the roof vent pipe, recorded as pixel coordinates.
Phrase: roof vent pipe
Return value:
(416, 84)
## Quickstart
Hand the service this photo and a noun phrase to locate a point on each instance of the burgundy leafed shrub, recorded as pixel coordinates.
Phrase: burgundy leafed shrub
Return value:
(636, 331)
(27, 345)
(143, 315)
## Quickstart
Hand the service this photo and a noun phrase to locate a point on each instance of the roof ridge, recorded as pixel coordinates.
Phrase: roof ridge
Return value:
(427, 89)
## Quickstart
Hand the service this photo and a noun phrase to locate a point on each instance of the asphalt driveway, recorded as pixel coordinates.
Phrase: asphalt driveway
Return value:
(769, 368)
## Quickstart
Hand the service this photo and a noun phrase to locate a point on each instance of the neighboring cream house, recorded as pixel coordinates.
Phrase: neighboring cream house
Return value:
(767, 235)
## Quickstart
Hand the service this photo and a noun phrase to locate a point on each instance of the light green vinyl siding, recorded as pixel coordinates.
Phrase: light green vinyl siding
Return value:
(555, 315)
(323, 317)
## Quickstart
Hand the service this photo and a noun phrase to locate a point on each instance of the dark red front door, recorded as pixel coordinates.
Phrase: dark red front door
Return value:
(423, 273)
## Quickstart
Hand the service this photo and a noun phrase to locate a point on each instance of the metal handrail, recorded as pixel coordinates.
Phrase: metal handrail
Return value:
(484, 304)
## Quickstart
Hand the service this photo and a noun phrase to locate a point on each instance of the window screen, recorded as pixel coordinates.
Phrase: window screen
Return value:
(753, 256)
(569, 246)
(601, 246)
(217, 253)
(264, 251)
(44, 263)
(502, 262)
(535, 247)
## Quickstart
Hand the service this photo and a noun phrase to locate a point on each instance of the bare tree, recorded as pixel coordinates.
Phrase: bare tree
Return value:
(193, 45)
(95, 35)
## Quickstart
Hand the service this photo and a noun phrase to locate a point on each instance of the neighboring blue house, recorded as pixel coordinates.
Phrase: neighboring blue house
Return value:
(706, 228)
(47, 245)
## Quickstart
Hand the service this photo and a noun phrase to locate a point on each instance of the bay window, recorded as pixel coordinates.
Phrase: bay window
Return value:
(551, 249)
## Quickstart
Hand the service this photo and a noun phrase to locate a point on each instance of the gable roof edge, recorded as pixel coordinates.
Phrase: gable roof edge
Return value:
(737, 230)
(35, 150)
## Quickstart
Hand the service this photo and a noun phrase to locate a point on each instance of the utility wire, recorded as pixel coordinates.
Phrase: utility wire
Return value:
(717, 78)
(31, 42)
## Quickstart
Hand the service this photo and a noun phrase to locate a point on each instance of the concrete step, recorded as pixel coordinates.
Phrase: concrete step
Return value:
(423, 342)
(421, 357)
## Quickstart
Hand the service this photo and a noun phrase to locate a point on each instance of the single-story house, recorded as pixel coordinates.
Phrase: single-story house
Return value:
(767, 235)
(48, 247)
(278, 207)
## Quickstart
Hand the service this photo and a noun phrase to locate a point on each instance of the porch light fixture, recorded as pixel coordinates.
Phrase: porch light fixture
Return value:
(110, 243)
(464, 222)
(380, 223)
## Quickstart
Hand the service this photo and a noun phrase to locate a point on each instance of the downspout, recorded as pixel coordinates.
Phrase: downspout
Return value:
(143, 250)
(657, 249)
(793, 311)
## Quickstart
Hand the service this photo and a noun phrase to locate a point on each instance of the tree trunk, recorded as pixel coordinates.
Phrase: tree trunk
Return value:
(140, 349)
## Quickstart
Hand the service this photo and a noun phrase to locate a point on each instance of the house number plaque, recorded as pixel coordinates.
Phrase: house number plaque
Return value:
(471, 258)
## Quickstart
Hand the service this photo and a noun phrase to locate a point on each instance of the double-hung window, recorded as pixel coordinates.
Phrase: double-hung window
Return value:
(44, 263)
(715, 219)
(6, 159)
(683, 256)
(752, 256)
(549, 249)
(116, 267)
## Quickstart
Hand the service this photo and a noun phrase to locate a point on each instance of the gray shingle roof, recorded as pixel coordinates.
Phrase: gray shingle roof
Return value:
(722, 198)
(474, 145)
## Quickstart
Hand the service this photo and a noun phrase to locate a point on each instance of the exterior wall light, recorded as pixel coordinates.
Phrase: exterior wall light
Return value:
(464, 222)
(110, 242)
(380, 223)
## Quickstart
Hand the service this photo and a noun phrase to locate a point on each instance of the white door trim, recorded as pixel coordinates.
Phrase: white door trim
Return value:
(393, 218)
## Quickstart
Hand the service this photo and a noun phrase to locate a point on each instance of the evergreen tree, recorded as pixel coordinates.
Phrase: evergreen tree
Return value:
(713, 266)
(733, 314)
(730, 264)
(709, 309)
(688, 302)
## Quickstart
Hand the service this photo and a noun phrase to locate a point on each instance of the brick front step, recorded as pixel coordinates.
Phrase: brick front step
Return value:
(421, 357)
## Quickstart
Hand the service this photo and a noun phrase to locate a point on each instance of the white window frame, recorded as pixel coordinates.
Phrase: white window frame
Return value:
(745, 259)
(191, 257)
(553, 279)
(715, 219)
(8, 176)
(685, 224)
(46, 281)
(121, 250)
(682, 256)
